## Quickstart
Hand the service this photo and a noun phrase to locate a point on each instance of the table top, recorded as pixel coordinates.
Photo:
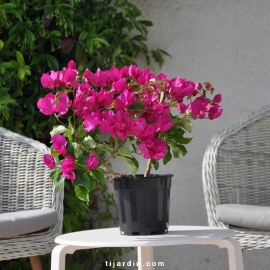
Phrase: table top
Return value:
(111, 237)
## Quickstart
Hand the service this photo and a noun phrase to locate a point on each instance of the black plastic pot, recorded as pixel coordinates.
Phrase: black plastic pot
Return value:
(143, 204)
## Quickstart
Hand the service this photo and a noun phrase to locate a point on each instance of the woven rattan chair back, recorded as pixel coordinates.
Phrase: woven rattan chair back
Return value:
(25, 185)
(236, 169)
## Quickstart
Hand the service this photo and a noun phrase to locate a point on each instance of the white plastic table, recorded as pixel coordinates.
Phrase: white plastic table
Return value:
(177, 235)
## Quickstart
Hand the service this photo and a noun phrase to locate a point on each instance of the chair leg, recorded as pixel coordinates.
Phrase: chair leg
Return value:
(35, 263)
(242, 253)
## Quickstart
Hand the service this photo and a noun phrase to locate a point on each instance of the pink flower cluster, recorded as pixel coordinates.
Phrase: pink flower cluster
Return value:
(59, 143)
(127, 103)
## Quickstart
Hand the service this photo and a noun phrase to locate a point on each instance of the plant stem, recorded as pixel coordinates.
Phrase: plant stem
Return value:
(57, 118)
(148, 168)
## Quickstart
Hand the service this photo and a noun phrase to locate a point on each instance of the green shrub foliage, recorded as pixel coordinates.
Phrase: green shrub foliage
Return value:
(41, 35)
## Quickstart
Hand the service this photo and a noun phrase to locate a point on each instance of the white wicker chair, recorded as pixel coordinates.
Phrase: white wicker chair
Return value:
(25, 185)
(236, 170)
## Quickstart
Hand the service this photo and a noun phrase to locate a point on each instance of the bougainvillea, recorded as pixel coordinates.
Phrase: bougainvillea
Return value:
(99, 112)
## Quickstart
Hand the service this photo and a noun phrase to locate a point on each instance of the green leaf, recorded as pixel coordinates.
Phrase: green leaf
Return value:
(78, 152)
(108, 31)
(124, 151)
(147, 23)
(81, 132)
(164, 52)
(172, 104)
(56, 33)
(132, 164)
(118, 3)
(27, 70)
(71, 146)
(186, 124)
(134, 10)
(117, 52)
(158, 57)
(136, 24)
(72, 2)
(82, 193)
(65, 5)
(126, 57)
(178, 137)
(100, 40)
(14, 64)
(102, 217)
(105, 146)
(168, 157)
(55, 173)
(138, 106)
(6, 65)
(1, 44)
(92, 31)
(70, 24)
(36, 58)
(69, 132)
(182, 140)
(29, 36)
(54, 153)
(177, 149)
(139, 38)
(52, 62)
(176, 153)
(182, 149)
(8, 5)
(134, 147)
(57, 178)
(20, 58)
(88, 140)
(81, 160)
(155, 163)
(84, 179)
(21, 73)
(16, 14)
(83, 35)
(66, 9)
(7, 100)
(58, 130)
(99, 176)
(90, 64)
(89, 45)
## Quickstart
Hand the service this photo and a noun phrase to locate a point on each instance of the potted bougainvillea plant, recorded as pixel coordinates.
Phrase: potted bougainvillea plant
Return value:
(122, 113)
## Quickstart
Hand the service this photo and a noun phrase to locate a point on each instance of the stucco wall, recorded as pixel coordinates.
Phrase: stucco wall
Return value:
(227, 43)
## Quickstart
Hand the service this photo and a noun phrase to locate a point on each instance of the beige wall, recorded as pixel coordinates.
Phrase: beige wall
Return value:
(227, 43)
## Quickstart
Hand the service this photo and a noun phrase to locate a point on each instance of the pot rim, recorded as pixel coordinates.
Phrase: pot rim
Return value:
(151, 176)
